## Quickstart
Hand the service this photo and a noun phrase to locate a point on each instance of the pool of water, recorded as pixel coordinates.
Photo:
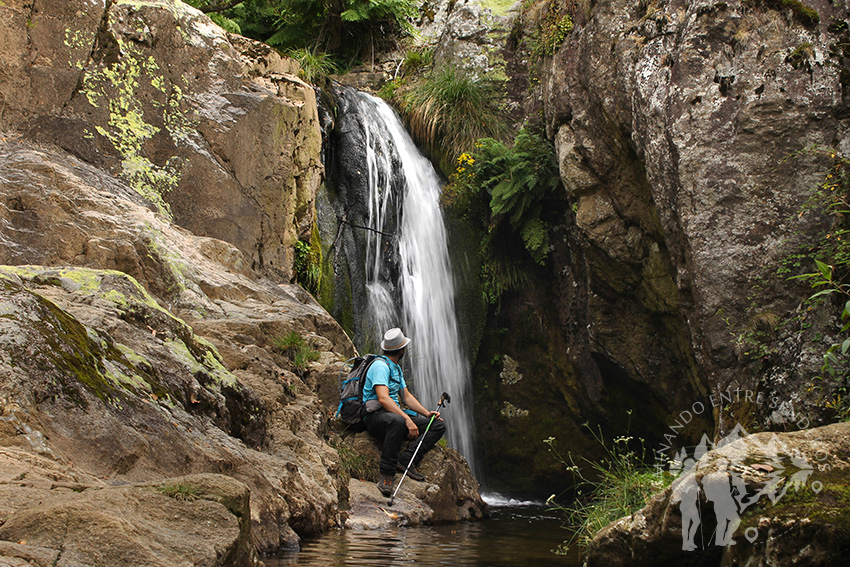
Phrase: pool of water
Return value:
(516, 534)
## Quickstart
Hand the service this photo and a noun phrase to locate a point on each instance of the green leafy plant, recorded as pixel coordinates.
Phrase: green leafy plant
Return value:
(504, 190)
(398, 11)
(299, 351)
(308, 264)
(825, 277)
(619, 485)
(343, 28)
(831, 257)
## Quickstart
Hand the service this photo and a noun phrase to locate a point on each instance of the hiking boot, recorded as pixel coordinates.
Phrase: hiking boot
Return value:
(412, 472)
(385, 485)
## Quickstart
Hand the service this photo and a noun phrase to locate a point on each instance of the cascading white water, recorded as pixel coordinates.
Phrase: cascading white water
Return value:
(404, 186)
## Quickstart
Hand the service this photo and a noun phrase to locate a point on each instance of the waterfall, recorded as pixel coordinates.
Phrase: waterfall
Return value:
(406, 226)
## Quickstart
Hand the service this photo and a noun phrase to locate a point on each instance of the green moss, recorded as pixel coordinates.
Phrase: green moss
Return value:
(800, 56)
(101, 283)
(830, 504)
(202, 360)
(106, 367)
(803, 13)
(176, 268)
(60, 347)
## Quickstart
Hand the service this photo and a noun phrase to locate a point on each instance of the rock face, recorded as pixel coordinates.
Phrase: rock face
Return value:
(675, 137)
(119, 386)
(156, 94)
(103, 382)
(793, 491)
(680, 129)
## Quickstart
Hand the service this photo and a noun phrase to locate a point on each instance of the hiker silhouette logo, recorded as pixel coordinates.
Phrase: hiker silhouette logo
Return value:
(742, 488)
(724, 484)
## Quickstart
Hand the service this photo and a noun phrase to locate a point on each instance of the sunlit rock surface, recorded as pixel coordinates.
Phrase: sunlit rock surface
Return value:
(154, 176)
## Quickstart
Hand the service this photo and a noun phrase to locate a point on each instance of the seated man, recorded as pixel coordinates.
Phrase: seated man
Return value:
(385, 418)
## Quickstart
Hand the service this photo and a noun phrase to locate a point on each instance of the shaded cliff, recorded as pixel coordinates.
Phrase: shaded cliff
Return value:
(675, 137)
(684, 134)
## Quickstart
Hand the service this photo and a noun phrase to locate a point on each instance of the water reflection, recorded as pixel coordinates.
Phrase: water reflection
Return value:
(513, 536)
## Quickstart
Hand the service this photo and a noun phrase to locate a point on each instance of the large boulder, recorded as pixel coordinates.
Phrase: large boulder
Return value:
(52, 515)
(449, 494)
(766, 499)
(96, 368)
(215, 130)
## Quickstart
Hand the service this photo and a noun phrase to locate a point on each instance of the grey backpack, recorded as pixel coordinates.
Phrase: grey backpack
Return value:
(351, 409)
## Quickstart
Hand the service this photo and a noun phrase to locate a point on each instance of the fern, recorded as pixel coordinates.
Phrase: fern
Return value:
(508, 191)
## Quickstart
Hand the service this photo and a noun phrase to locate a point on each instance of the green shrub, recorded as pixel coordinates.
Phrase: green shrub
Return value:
(417, 59)
(507, 192)
(308, 262)
(344, 28)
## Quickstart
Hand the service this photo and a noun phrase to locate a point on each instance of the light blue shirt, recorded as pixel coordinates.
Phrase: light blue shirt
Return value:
(383, 372)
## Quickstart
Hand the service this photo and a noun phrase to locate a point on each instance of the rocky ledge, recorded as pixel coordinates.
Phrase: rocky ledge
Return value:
(142, 390)
(766, 499)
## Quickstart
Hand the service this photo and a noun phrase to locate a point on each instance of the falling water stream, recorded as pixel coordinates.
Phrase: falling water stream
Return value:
(405, 187)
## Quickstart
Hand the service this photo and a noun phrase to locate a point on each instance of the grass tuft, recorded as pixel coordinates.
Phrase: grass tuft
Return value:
(622, 483)
(180, 491)
(299, 351)
(449, 108)
(315, 64)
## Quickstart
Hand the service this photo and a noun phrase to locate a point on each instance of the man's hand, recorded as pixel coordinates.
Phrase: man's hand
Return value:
(412, 429)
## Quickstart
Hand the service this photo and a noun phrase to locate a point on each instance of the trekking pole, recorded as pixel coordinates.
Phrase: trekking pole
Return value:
(444, 399)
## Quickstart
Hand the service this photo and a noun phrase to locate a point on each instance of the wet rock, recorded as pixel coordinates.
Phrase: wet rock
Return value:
(449, 493)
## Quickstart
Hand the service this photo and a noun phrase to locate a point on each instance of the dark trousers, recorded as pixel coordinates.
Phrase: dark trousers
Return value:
(392, 428)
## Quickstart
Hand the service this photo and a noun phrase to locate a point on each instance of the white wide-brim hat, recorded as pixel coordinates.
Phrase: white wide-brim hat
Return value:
(394, 339)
